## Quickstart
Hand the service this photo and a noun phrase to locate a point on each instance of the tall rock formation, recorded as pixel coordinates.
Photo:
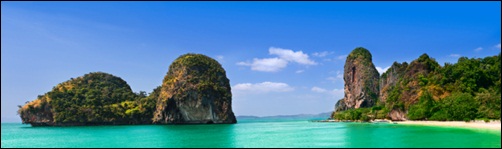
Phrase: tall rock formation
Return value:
(361, 81)
(420, 90)
(195, 90)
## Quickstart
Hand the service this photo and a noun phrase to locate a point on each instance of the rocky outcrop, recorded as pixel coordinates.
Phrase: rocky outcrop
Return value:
(341, 105)
(390, 78)
(401, 85)
(361, 81)
(397, 115)
(405, 79)
(420, 90)
(195, 90)
(86, 100)
(37, 112)
(396, 89)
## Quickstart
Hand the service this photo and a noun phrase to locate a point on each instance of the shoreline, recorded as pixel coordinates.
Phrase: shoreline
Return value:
(492, 125)
(477, 124)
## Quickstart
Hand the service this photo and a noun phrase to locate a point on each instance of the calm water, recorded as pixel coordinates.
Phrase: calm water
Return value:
(249, 133)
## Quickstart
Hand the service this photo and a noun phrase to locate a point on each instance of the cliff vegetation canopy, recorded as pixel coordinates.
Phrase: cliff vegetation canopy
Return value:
(423, 90)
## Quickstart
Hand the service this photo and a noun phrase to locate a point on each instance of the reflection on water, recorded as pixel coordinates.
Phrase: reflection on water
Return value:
(215, 135)
(248, 133)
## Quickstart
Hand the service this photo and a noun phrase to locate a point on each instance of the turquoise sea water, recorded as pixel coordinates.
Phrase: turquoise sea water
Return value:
(249, 133)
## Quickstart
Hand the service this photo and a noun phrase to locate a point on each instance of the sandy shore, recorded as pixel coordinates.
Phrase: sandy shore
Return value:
(478, 124)
(493, 125)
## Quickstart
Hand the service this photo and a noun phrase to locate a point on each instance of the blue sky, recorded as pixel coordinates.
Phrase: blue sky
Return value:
(281, 57)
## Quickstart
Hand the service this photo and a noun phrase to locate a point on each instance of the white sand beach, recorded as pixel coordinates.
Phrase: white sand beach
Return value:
(493, 125)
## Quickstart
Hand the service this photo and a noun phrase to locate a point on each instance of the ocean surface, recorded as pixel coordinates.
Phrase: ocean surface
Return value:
(249, 133)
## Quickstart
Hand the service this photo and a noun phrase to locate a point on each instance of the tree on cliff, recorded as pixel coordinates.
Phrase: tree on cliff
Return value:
(469, 89)
(95, 98)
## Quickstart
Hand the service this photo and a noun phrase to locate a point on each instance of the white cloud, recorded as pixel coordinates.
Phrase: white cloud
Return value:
(497, 46)
(331, 79)
(339, 75)
(454, 55)
(244, 63)
(478, 49)
(322, 54)
(337, 93)
(277, 63)
(299, 71)
(263, 87)
(318, 89)
(289, 55)
(341, 57)
(219, 57)
(266, 64)
(381, 71)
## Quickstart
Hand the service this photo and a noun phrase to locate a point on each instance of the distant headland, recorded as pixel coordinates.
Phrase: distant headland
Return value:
(422, 90)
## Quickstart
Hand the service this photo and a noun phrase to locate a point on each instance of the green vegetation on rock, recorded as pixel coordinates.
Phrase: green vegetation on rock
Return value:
(361, 53)
(195, 90)
(423, 90)
(95, 98)
(103, 99)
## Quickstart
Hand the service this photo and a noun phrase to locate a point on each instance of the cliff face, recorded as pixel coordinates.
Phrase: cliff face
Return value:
(401, 85)
(390, 78)
(37, 112)
(361, 81)
(195, 90)
(421, 90)
(396, 89)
